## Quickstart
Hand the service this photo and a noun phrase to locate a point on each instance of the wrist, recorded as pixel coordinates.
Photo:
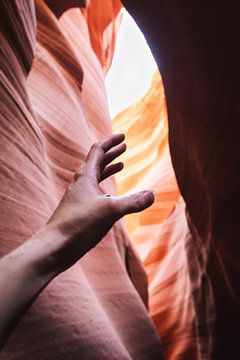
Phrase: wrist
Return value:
(56, 252)
(46, 244)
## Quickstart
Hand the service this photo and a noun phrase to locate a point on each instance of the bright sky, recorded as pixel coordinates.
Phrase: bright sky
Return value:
(132, 69)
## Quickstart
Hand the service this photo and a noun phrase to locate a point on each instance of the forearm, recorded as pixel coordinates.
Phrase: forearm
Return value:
(83, 217)
(23, 275)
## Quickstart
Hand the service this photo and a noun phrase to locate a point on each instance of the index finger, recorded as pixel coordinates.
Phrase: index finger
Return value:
(96, 154)
(111, 141)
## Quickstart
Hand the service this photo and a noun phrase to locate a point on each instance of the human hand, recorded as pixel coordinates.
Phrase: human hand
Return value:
(85, 214)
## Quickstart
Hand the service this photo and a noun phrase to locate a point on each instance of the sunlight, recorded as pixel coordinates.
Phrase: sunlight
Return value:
(132, 69)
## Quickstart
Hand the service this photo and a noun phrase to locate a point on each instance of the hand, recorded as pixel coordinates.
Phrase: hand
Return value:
(85, 214)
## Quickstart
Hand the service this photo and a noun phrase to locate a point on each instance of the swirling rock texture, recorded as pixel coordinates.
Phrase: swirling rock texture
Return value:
(47, 124)
(195, 46)
(160, 234)
(95, 310)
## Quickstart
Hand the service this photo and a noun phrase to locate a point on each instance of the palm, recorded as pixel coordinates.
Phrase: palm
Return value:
(85, 214)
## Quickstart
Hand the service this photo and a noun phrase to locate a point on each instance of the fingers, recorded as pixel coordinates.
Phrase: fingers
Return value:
(133, 203)
(102, 153)
(93, 161)
(113, 154)
(111, 170)
(111, 141)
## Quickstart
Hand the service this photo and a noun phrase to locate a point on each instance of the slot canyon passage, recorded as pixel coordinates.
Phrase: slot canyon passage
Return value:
(54, 107)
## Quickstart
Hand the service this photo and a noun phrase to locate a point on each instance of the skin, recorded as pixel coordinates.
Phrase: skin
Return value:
(82, 218)
(58, 7)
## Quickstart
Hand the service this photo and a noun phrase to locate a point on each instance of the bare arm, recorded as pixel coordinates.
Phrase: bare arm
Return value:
(80, 221)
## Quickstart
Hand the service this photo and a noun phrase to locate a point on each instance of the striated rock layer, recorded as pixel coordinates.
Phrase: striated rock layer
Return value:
(96, 309)
(195, 45)
(160, 234)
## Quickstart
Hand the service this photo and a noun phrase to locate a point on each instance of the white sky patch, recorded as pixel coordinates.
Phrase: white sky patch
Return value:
(132, 69)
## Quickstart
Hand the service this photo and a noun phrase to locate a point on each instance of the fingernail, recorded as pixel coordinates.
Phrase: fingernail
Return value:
(149, 195)
(122, 135)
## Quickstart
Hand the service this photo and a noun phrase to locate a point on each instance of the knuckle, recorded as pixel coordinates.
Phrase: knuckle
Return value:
(136, 201)
(96, 146)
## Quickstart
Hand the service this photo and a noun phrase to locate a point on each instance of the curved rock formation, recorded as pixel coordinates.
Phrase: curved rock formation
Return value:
(195, 46)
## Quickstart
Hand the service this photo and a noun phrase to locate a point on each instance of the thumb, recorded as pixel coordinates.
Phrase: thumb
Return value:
(133, 203)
